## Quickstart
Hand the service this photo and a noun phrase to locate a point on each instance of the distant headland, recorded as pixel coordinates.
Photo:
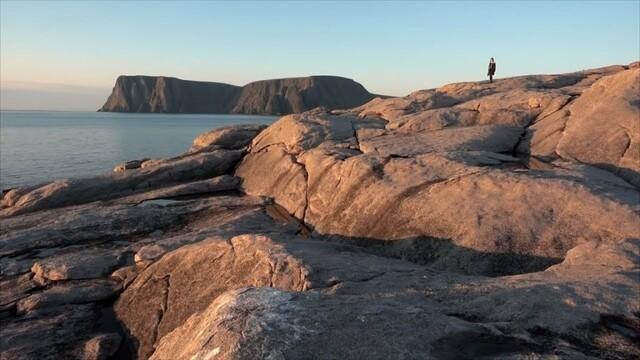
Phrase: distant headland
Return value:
(160, 94)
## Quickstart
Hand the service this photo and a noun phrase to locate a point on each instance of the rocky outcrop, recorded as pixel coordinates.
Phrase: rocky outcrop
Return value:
(213, 153)
(295, 95)
(411, 176)
(466, 321)
(228, 137)
(585, 131)
(185, 278)
(63, 268)
(131, 164)
(469, 221)
(150, 94)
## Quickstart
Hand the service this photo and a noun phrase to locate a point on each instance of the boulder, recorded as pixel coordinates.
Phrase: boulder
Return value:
(296, 133)
(228, 137)
(128, 165)
(600, 127)
(186, 280)
(589, 135)
(83, 264)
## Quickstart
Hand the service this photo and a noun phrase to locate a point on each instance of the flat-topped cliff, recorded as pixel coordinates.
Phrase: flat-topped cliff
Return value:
(475, 220)
(268, 97)
(296, 95)
(159, 94)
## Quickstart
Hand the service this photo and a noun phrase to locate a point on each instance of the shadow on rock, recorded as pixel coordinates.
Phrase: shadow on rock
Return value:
(479, 345)
(445, 255)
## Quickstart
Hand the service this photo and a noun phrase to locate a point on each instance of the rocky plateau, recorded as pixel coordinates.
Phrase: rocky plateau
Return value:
(473, 221)
(161, 94)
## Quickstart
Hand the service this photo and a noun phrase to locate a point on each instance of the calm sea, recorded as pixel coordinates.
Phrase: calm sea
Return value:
(38, 146)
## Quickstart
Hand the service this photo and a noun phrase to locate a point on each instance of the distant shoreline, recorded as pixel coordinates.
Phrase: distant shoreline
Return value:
(127, 113)
(28, 110)
(41, 140)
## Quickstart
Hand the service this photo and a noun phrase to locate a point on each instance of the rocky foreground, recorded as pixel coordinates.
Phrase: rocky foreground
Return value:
(471, 221)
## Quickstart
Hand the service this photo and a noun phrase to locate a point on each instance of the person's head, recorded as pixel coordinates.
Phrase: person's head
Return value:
(492, 60)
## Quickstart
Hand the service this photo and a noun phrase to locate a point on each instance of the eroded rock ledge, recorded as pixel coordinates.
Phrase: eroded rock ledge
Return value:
(475, 220)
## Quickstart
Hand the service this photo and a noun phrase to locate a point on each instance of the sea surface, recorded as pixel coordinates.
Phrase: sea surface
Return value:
(39, 146)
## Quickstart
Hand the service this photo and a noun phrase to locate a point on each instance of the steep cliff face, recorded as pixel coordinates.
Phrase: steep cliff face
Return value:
(295, 95)
(169, 95)
(274, 97)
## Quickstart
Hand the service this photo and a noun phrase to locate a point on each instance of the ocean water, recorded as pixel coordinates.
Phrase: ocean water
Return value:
(39, 146)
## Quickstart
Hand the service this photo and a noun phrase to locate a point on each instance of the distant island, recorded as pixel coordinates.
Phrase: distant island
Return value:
(160, 94)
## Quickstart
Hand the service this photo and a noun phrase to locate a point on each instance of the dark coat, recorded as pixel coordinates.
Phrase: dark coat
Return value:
(492, 68)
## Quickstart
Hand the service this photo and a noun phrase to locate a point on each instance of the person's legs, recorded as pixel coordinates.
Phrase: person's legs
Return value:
(490, 78)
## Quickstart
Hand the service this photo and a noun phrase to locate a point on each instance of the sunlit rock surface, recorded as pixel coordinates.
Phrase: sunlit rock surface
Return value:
(475, 220)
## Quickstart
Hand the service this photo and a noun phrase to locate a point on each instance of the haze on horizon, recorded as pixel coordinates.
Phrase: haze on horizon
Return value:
(67, 55)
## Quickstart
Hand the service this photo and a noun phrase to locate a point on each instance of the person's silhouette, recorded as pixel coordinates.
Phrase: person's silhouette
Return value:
(492, 69)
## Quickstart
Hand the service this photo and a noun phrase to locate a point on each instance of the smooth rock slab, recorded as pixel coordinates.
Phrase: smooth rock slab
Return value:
(58, 334)
(73, 292)
(274, 172)
(492, 138)
(202, 188)
(83, 264)
(516, 108)
(269, 323)
(263, 323)
(186, 280)
(421, 314)
(604, 126)
(599, 127)
(228, 137)
(299, 132)
(473, 218)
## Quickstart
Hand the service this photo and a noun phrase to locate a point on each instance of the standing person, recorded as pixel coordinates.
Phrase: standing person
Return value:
(492, 69)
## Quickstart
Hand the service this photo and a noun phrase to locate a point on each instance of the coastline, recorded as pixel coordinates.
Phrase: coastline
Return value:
(472, 220)
(35, 143)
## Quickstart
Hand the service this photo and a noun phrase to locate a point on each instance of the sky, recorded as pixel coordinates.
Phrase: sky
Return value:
(58, 55)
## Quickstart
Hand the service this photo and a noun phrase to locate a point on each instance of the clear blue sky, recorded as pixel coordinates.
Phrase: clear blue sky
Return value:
(66, 55)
